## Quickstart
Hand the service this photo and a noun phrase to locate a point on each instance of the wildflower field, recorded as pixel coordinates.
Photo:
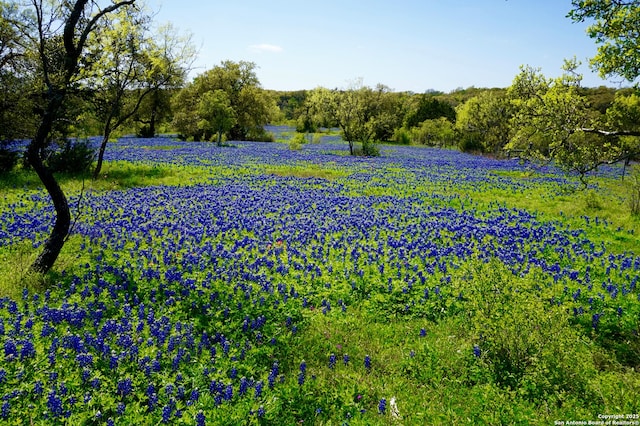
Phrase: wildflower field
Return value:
(253, 284)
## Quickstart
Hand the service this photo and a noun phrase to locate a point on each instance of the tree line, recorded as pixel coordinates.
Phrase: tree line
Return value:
(91, 67)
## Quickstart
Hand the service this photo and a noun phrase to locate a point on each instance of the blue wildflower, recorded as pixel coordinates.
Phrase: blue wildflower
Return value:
(382, 405)
(477, 351)
(125, 387)
(332, 361)
(54, 404)
(4, 412)
(200, 419)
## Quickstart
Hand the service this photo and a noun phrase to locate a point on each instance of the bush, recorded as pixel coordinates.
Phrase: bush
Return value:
(296, 142)
(369, 149)
(470, 143)
(8, 158)
(402, 136)
(75, 158)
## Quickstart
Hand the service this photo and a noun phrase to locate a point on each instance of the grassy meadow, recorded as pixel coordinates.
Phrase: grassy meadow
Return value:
(258, 284)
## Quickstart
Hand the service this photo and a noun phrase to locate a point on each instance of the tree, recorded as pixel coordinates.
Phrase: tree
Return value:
(56, 34)
(131, 64)
(434, 132)
(553, 122)
(358, 111)
(427, 107)
(615, 30)
(253, 106)
(483, 122)
(216, 114)
(17, 120)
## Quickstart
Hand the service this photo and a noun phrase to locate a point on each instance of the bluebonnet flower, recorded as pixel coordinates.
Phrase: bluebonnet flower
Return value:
(200, 419)
(261, 411)
(258, 389)
(382, 405)
(345, 359)
(166, 413)
(38, 388)
(244, 386)
(54, 404)
(423, 332)
(477, 351)
(125, 387)
(10, 349)
(367, 362)
(193, 398)
(332, 361)
(228, 393)
(4, 412)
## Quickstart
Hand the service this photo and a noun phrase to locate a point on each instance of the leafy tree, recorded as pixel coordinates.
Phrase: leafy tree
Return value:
(217, 116)
(434, 132)
(427, 107)
(130, 65)
(253, 106)
(553, 122)
(483, 122)
(358, 111)
(56, 34)
(615, 30)
(17, 120)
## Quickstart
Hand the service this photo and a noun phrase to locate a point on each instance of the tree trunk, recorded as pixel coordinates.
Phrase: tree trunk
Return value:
(219, 137)
(103, 147)
(54, 243)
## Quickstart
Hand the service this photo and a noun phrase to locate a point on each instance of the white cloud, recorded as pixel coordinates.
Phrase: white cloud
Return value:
(270, 48)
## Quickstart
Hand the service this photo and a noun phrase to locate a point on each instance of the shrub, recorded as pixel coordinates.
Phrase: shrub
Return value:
(296, 142)
(369, 149)
(76, 158)
(470, 143)
(8, 158)
(592, 200)
(402, 136)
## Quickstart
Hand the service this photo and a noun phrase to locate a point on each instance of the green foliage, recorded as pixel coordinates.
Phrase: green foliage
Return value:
(470, 142)
(611, 23)
(427, 107)
(526, 342)
(8, 158)
(73, 157)
(634, 191)
(483, 122)
(296, 142)
(552, 121)
(369, 149)
(251, 106)
(217, 115)
(436, 132)
(402, 136)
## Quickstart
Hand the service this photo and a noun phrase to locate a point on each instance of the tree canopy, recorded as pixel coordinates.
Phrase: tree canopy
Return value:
(252, 106)
(615, 31)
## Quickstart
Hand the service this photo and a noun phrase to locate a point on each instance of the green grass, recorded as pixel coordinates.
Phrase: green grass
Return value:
(327, 171)
(537, 366)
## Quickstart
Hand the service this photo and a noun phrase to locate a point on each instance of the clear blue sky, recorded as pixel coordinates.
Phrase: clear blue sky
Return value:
(412, 45)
